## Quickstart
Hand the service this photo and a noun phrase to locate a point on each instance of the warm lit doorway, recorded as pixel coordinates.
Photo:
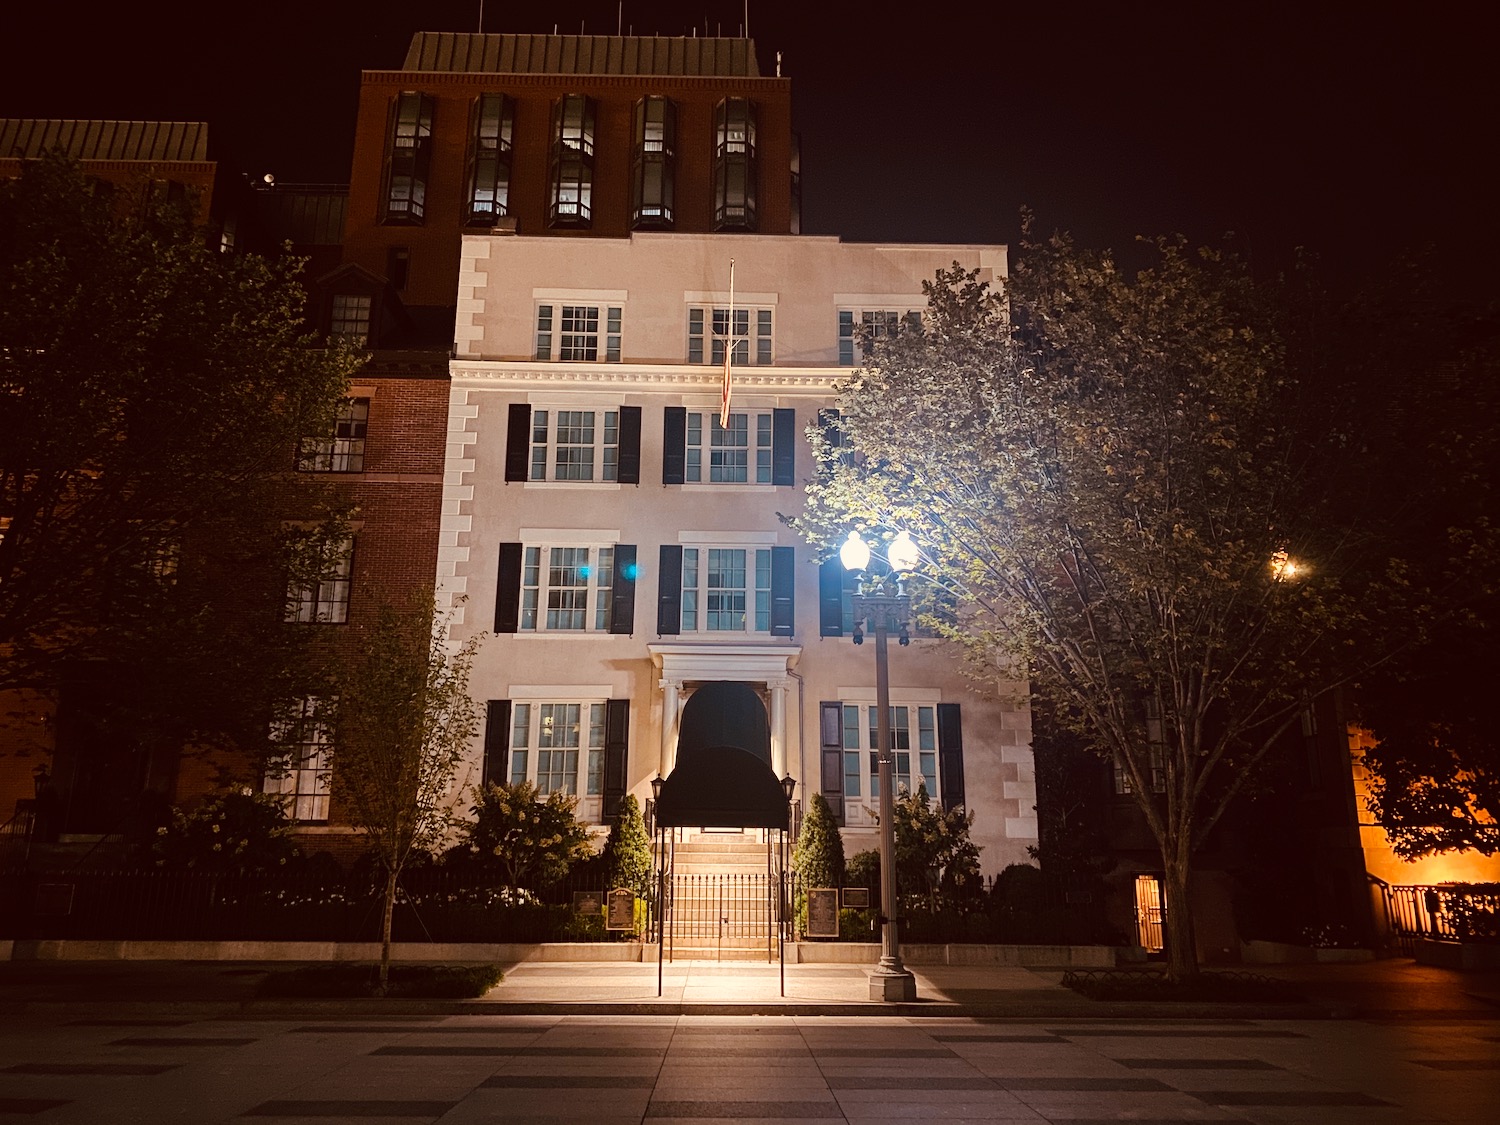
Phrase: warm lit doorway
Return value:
(1148, 914)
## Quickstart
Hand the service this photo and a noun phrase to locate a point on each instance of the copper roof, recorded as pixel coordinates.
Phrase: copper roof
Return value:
(24, 138)
(450, 51)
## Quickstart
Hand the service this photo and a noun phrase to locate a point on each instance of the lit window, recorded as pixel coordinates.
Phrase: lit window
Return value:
(566, 589)
(571, 333)
(410, 152)
(748, 348)
(734, 165)
(549, 743)
(575, 444)
(572, 190)
(344, 452)
(653, 165)
(299, 774)
(871, 324)
(351, 318)
(489, 159)
(324, 599)
(729, 449)
(721, 594)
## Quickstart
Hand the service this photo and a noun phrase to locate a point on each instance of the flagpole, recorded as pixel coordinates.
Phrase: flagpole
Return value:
(728, 353)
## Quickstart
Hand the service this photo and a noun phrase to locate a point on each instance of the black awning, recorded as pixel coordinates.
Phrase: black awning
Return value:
(722, 787)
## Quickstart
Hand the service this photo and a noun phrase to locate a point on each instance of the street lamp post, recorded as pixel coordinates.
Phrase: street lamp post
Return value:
(885, 610)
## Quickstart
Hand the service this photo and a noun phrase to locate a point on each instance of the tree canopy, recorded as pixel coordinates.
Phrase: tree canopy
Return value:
(152, 395)
(1130, 491)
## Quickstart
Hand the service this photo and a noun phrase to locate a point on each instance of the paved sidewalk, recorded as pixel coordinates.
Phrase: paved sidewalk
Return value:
(1392, 990)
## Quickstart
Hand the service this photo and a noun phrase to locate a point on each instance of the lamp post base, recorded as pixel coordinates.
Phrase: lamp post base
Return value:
(892, 986)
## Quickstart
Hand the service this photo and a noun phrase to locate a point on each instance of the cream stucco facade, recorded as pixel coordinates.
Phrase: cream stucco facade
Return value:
(585, 580)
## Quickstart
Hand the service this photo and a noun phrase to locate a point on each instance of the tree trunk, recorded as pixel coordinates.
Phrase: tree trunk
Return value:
(1181, 942)
(387, 916)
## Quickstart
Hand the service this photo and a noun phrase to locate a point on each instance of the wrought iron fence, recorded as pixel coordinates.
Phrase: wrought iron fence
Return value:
(709, 914)
(1460, 912)
(431, 905)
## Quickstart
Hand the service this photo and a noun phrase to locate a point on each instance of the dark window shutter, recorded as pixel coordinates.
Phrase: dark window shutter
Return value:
(518, 442)
(622, 590)
(831, 757)
(831, 598)
(496, 768)
(674, 446)
(629, 471)
(831, 422)
(950, 754)
(616, 754)
(669, 591)
(783, 447)
(783, 604)
(508, 589)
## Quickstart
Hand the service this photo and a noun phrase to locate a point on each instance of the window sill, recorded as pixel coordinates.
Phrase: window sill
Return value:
(596, 485)
(699, 486)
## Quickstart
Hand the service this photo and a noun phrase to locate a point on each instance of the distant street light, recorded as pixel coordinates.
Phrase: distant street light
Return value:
(884, 608)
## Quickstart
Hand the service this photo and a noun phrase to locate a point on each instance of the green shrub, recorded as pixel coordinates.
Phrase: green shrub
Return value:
(627, 852)
(236, 832)
(529, 840)
(819, 857)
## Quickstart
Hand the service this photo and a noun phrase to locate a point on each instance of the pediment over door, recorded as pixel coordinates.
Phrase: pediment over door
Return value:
(764, 664)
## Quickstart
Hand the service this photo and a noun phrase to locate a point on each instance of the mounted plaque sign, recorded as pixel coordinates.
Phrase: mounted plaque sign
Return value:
(823, 912)
(621, 915)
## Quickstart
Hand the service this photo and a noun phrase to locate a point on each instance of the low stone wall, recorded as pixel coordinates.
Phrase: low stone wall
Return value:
(1457, 955)
(797, 953)
(318, 951)
(1014, 956)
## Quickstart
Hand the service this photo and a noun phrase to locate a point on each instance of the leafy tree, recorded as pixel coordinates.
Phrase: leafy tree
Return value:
(152, 393)
(533, 840)
(627, 851)
(402, 720)
(1127, 492)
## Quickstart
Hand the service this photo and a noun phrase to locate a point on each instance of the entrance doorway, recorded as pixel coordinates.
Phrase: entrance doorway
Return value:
(1148, 913)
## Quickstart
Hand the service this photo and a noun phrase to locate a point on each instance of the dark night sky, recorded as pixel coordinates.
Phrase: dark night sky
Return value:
(1342, 127)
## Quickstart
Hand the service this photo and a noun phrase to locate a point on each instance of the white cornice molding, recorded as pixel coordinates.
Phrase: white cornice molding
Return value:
(678, 378)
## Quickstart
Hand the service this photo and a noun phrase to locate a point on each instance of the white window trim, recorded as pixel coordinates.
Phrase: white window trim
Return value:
(585, 698)
(751, 590)
(599, 445)
(708, 420)
(855, 809)
(597, 596)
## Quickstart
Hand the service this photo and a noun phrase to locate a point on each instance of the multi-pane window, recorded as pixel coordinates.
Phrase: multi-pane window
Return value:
(575, 445)
(1158, 770)
(350, 319)
(862, 741)
(491, 122)
(578, 333)
(299, 774)
(858, 326)
(653, 164)
(344, 452)
(737, 454)
(572, 188)
(734, 165)
(549, 742)
(726, 590)
(749, 347)
(409, 155)
(324, 599)
(566, 589)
